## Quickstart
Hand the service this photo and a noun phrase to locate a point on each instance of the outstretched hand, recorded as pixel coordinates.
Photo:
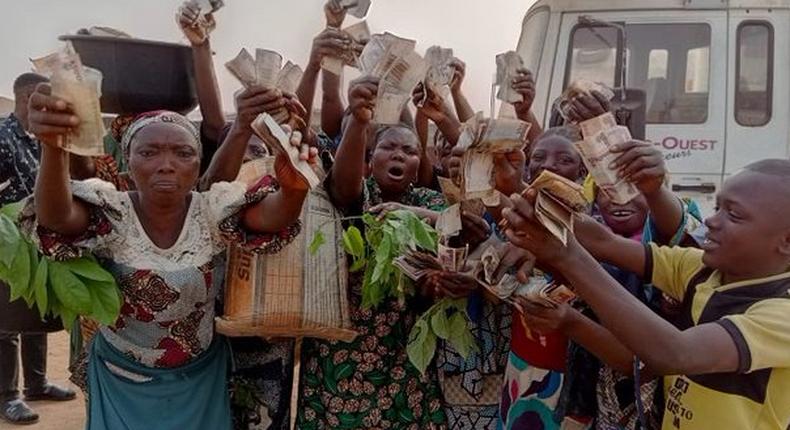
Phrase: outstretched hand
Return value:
(642, 164)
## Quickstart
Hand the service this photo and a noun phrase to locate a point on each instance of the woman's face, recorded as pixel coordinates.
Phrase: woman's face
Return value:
(164, 161)
(557, 155)
(625, 220)
(396, 161)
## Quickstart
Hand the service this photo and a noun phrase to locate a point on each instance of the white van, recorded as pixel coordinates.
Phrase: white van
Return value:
(716, 95)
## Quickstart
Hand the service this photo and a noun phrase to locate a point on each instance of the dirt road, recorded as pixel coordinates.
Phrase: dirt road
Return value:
(57, 415)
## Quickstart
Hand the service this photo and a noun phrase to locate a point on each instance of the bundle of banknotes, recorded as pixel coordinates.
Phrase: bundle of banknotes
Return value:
(80, 86)
(600, 135)
(398, 67)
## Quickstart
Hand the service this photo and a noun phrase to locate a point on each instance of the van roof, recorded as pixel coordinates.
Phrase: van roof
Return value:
(615, 5)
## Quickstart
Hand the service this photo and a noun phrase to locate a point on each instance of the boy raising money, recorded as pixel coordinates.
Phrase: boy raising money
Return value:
(726, 354)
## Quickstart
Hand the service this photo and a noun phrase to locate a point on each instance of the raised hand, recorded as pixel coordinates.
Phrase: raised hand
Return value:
(195, 28)
(459, 73)
(50, 118)
(329, 43)
(642, 164)
(256, 100)
(509, 172)
(524, 84)
(335, 14)
(429, 103)
(586, 107)
(362, 98)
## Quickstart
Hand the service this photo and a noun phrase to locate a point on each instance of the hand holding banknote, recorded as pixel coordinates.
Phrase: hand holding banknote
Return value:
(440, 284)
(335, 14)
(255, 100)
(587, 106)
(429, 103)
(524, 84)
(195, 27)
(642, 164)
(525, 229)
(288, 175)
(331, 43)
(459, 73)
(362, 95)
(544, 319)
(51, 119)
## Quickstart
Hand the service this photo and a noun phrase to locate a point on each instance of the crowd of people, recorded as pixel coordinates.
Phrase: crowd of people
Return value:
(680, 322)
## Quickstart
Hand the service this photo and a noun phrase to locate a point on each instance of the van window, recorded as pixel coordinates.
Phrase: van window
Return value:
(754, 79)
(533, 36)
(593, 55)
(670, 62)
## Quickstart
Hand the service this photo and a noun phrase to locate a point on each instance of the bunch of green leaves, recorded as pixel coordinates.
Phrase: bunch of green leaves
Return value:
(447, 320)
(61, 289)
(384, 239)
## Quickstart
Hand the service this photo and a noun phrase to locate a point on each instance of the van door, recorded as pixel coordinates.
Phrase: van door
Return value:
(670, 56)
(757, 121)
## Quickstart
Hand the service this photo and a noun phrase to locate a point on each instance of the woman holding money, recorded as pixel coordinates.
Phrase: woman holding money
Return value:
(370, 383)
(162, 243)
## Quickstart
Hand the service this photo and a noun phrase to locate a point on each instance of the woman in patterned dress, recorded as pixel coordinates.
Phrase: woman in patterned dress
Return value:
(369, 383)
(160, 365)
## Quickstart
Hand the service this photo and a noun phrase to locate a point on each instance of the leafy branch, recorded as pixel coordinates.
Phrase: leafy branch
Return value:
(61, 289)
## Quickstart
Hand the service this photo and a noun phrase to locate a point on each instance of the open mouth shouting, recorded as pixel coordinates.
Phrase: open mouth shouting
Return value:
(396, 173)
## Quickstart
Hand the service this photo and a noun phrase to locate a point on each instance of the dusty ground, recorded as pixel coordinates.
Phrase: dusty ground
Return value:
(57, 415)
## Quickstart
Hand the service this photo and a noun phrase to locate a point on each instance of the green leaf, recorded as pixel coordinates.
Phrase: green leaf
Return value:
(10, 239)
(353, 242)
(105, 301)
(318, 241)
(40, 288)
(358, 265)
(12, 210)
(70, 290)
(461, 338)
(440, 324)
(421, 346)
(89, 268)
(19, 272)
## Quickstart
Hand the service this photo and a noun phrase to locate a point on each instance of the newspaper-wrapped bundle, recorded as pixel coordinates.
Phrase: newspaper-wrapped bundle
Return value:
(81, 87)
(600, 135)
(295, 293)
(399, 69)
(360, 35)
(507, 66)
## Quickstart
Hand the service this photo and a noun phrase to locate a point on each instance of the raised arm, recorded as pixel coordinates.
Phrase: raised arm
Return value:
(524, 84)
(703, 349)
(228, 159)
(348, 175)
(51, 120)
(205, 76)
(433, 108)
(329, 43)
(462, 107)
(426, 172)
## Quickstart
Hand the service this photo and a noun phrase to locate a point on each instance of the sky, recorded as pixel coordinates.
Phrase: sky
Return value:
(476, 30)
